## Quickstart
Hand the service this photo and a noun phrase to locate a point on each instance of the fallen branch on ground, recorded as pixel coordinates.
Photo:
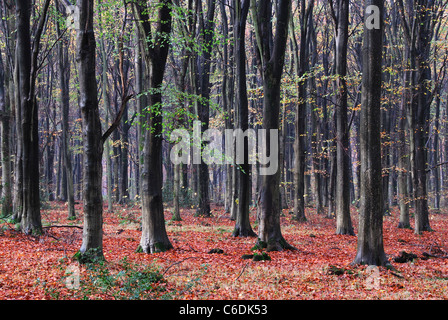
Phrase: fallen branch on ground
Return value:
(64, 226)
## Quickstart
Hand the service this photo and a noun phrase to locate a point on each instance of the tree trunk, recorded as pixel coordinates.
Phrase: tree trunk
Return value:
(124, 180)
(435, 152)
(403, 150)
(418, 20)
(301, 66)
(343, 220)
(49, 165)
(421, 106)
(106, 104)
(206, 32)
(140, 105)
(370, 231)
(272, 54)
(64, 76)
(154, 237)
(27, 71)
(176, 189)
(242, 225)
(5, 110)
(386, 150)
(92, 239)
(403, 163)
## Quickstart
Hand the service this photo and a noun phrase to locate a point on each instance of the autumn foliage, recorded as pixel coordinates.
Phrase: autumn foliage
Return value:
(207, 261)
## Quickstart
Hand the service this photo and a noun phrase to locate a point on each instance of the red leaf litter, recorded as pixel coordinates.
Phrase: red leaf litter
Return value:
(39, 267)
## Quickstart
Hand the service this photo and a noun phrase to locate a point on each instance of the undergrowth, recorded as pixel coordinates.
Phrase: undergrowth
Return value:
(124, 280)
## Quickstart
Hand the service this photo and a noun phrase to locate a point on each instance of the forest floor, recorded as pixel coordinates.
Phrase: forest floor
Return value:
(42, 267)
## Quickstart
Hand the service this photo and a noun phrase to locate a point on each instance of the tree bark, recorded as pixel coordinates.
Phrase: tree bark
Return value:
(343, 220)
(92, 239)
(403, 150)
(226, 87)
(418, 21)
(154, 237)
(106, 104)
(370, 231)
(421, 105)
(27, 71)
(5, 110)
(301, 66)
(64, 77)
(272, 54)
(206, 31)
(242, 225)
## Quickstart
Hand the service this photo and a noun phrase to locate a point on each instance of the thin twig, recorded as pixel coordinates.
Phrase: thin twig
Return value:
(64, 226)
(176, 263)
(244, 268)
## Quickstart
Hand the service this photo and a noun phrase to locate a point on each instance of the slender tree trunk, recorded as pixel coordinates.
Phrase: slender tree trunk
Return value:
(386, 150)
(109, 182)
(27, 71)
(226, 104)
(343, 220)
(106, 104)
(154, 237)
(18, 168)
(370, 238)
(421, 105)
(92, 239)
(206, 32)
(272, 54)
(125, 126)
(176, 187)
(403, 150)
(418, 20)
(140, 104)
(283, 125)
(49, 165)
(403, 166)
(64, 76)
(301, 66)
(242, 225)
(435, 152)
(5, 146)
(124, 179)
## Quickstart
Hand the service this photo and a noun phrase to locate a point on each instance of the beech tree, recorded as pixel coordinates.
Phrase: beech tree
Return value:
(64, 76)
(155, 40)
(370, 231)
(5, 117)
(27, 66)
(301, 67)
(419, 19)
(93, 137)
(92, 239)
(340, 13)
(205, 38)
(242, 226)
(271, 50)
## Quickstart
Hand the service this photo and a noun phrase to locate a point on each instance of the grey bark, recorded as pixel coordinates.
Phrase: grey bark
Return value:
(370, 248)
(242, 225)
(342, 199)
(64, 78)
(272, 55)
(206, 31)
(5, 110)
(154, 237)
(92, 239)
(26, 63)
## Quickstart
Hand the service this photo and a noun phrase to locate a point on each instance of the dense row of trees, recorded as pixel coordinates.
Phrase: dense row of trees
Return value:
(355, 89)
